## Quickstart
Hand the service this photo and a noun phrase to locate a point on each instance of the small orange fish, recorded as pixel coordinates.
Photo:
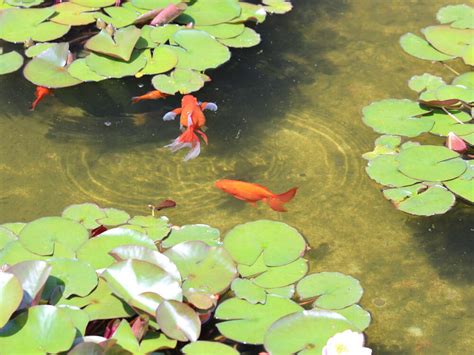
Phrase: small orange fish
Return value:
(150, 95)
(40, 92)
(252, 193)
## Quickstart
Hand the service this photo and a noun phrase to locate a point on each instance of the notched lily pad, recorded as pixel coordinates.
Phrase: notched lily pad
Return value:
(119, 46)
(183, 81)
(426, 81)
(384, 170)
(10, 62)
(463, 186)
(192, 232)
(460, 16)
(418, 47)
(178, 321)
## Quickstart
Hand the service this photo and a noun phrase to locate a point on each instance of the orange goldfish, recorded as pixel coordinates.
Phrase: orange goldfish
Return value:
(40, 92)
(192, 118)
(150, 95)
(252, 193)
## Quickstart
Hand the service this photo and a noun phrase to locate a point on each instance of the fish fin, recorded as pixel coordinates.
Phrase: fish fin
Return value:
(203, 135)
(211, 106)
(170, 116)
(136, 99)
(276, 202)
(253, 203)
(188, 139)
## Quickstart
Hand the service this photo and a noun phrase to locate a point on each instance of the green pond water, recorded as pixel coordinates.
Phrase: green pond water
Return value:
(289, 115)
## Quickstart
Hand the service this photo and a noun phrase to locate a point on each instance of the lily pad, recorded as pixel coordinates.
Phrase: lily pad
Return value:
(463, 186)
(332, 289)
(164, 59)
(69, 13)
(277, 6)
(125, 337)
(431, 163)
(186, 233)
(208, 347)
(14, 252)
(153, 4)
(223, 30)
(426, 81)
(11, 294)
(182, 80)
(14, 227)
(211, 12)
(155, 228)
(94, 3)
(85, 214)
(386, 144)
(248, 38)
(356, 315)
(24, 3)
(247, 290)
(119, 46)
(279, 276)
(250, 12)
(466, 80)
(460, 16)
(418, 47)
(10, 62)
(446, 123)
(81, 71)
(119, 16)
(398, 117)
(279, 243)
(248, 323)
(114, 217)
(448, 92)
(162, 34)
(178, 321)
(313, 327)
(145, 40)
(38, 49)
(6, 236)
(384, 170)
(116, 68)
(156, 341)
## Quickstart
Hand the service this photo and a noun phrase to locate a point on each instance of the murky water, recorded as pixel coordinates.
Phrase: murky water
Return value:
(289, 116)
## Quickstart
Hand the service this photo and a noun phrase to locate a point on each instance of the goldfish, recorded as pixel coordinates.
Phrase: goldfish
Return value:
(251, 193)
(192, 118)
(40, 92)
(150, 95)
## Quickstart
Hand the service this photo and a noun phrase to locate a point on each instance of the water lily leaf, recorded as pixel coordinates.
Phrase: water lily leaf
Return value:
(178, 321)
(421, 199)
(162, 34)
(11, 294)
(384, 170)
(248, 323)
(279, 243)
(208, 347)
(223, 30)
(247, 290)
(182, 80)
(248, 38)
(42, 235)
(15, 227)
(211, 12)
(14, 252)
(85, 214)
(155, 228)
(431, 163)
(79, 318)
(39, 330)
(114, 217)
(333, 289)
(6, 236)
(116, 68)
(200, 51)
(448, 92)
(398, 117)
(356, 315)
(460, 16)
(418, 47)
(94, 3)
(164, 59)
(38, 49)
(445, 123)
(156, 341)
(426, 81)
(120, 46)
(142, 284)
(277, 6)
(10, 62)
(32, 275)
(463, 186)
(145, 254)
(285, 292)
(466, 80)
(48, 31)
(186, 233)
(69, 13)
(314, 328)
(386, 144)
(96, 250)
(153, 4)
(81, 71)
(97, 346)
(24, 3)
(250, 12)
(125, 337)
(280, 276)
(145, 40)
(119, 16)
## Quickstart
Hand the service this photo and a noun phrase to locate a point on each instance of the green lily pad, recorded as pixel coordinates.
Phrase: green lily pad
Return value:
(164, 59)
(460, 16)
(145, 40)
(114, 217)
(96, 250)
(162, 34)
(15, 227)
(79, 318)
(332, 289)
(182, 80)
(418, 47)
(208, 347)
(6, 236)
(314, 328)
(38, 48)
(178, 321)
(155, 228)
(42, 235)
(247, 290)
(11, 294)
(250, 12)
(153, 4)
(277, 6)
(94, 3)
(116, 68)
(39, 330)
(125, 337)
(426, 81)
(279, 276)
(211, 12)
(14, 252)
(398, 117)
(199, 50)
(356, 315)
(223, 30)
(466, 80)
(120, 46)
(48, 31)
(69, 13)
(248, 323)
(384, 170)
(386, 144)
(119, 16)
(142, 284)
(248, 38)
(81, 71)
(186, 233)
(279, 243)
(446, 123)
(156, 341)
(24, 3)
(285, 292)
(10, 62)
(463, 186)
(448, 92)
(86, 214)
(431, 163)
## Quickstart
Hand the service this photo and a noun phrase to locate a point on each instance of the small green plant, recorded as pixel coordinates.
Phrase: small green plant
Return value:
(96, 280)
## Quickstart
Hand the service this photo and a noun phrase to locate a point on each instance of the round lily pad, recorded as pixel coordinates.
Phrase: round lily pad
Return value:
(155, 228)
(398, 117)
(386, 144)
(186, 233)
(463, 186)
(431, 163)
(418, 47)
(94, 3)
(81, 71)
(223, 30)
(448, 92)
(69, 13)
(208, 347)
(332, 289)
(162, 34)
(114, 217)
(426, 81)
(212, 12)
(164, 59)
(277, 6)
(86, 213)
(247, 290)
(250, 12)
(182, 80)
(314, 328)
(460, 16)
(45, 73)
(178, 321)
(119, 16)
(466, 80)
(356, 315)
(38, 48)
(119, 46)
(384, 170)
(10, 62)
(116, 68)
(248, 38)
(279, 243)
(444, 123)
(14, 252)
(279, 276)
(153, 4)
(24, 3)
(6, 236)
(11, 294)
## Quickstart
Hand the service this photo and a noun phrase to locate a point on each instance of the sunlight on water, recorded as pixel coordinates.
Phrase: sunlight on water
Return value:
(289, 115)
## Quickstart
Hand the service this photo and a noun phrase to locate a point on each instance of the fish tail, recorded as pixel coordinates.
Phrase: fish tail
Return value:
(188, 139)
(136, 99)
(33, 105)
(276, 202)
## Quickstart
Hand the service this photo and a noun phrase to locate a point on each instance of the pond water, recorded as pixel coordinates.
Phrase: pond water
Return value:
(289, 115)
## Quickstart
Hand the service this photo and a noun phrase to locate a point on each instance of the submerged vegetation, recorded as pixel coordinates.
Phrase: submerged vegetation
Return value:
(96, 280)
(425, 179)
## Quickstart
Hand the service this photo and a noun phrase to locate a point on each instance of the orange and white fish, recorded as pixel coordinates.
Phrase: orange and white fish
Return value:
(251, 193)
(150, 95)
(40, 92)
(192, 118)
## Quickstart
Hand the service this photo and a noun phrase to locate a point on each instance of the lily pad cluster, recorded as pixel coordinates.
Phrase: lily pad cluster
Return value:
(96, 280)
(424, 179)
(174, 41)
